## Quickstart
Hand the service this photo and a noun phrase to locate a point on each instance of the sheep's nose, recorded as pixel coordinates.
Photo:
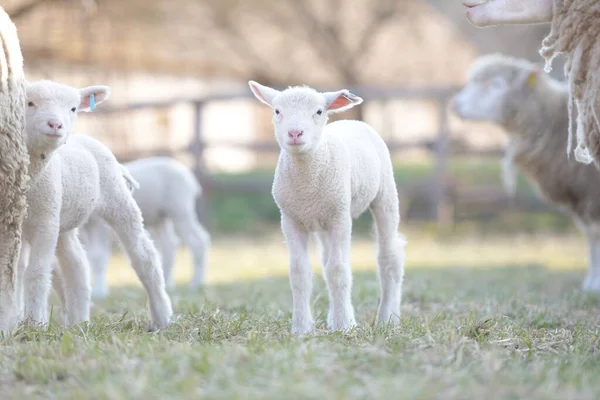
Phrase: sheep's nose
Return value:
(54, 125)
(295, 134)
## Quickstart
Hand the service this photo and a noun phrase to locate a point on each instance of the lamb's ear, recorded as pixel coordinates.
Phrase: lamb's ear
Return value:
(341, 100)
(263, 93)
(91, 96)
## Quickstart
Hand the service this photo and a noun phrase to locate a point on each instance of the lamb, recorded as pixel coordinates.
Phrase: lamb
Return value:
(73, 177)
(166, 196)
(327, 175)
(532, 108)
(13, 166)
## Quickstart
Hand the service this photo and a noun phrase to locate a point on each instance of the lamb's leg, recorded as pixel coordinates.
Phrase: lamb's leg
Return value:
(20, 280)
(390, 256)
(592, 280)
(338, 275)
(59, 288)
(166, 242)
(125, 218)
(38, 275)
(197, 238)
(324, 242)
(98, 247)
(300, 276)
(75, 272)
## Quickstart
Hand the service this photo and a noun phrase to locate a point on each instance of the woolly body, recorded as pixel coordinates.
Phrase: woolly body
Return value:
(327, 175)
(532, 108)
(166, 195)
(73, 177)
(13, 167)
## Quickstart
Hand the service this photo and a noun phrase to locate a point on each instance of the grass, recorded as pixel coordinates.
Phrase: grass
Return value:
(483, 317)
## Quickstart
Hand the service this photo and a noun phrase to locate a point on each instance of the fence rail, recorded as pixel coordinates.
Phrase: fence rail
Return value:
(444, 195)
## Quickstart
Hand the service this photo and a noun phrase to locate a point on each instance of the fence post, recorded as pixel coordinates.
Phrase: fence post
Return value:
(197, 147)
(443, 210)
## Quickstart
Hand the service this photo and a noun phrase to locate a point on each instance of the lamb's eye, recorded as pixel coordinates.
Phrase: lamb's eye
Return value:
(74, 109)
(277, 112)
(320, 112)
(30, 104)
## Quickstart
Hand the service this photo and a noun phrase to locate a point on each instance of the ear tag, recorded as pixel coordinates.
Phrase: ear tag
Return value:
(92, 101)
(532, 79)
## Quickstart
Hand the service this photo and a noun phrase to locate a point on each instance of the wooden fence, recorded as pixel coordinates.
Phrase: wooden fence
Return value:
(444, 195)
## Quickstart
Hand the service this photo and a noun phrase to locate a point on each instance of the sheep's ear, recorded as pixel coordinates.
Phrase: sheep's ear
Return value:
(341, 100)
(89, 102)
(263, 93)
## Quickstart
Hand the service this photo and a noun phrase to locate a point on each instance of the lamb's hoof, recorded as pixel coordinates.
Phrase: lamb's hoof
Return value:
(304, 329)
(591, 284)
(342, 326)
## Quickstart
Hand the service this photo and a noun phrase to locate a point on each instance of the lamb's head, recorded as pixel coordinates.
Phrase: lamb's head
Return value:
(497, 86)
(300, 113)
(52, 111)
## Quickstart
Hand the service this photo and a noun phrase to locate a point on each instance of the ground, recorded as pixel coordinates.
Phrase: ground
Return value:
(482, 317)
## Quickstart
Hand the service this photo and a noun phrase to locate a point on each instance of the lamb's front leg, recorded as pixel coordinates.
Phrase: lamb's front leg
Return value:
(338, 275)
(300, 276)
(38, 275)
(592, 280)
(75, 276)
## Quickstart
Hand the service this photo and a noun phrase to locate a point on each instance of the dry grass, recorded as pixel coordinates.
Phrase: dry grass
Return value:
(490, 318)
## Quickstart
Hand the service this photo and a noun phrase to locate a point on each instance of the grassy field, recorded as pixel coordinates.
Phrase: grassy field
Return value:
(483, 317)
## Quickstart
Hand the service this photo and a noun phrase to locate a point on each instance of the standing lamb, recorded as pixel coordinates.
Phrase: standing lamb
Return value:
(13, 166)
(532, 108)
(327, 175)
(166, 195)
(73, 177)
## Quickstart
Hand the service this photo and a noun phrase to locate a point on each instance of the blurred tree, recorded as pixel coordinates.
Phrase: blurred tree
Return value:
(303, 37)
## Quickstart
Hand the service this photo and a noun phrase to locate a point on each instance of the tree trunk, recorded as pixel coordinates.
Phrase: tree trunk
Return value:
(13, 166)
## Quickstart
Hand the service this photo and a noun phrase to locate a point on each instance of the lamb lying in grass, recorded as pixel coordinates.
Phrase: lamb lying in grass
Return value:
(328, 174)
(166, 195)
(71, 178)
(532, 109)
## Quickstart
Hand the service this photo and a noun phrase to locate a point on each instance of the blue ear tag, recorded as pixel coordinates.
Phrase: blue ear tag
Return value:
(92, 101)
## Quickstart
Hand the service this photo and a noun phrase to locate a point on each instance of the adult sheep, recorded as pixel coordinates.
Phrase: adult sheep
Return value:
(73, 177)
(166, 195)
(574, 32)
(326, 175)
(532, 108)
(13, 166)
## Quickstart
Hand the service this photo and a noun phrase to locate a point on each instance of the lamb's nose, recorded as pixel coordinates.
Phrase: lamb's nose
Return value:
(54, 125)
(295, 134)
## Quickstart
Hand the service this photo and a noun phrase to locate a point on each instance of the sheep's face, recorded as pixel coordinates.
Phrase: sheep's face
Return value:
(52, 111)
(494, 90)
(300, 113)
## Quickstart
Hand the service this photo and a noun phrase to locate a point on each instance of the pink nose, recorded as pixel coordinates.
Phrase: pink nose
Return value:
(54, 125)
(295, 134)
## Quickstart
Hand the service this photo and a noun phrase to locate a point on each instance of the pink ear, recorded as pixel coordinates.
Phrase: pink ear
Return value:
(341, 102)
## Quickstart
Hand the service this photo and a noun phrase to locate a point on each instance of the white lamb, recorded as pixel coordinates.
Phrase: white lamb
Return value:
(71, 178)
(166, 195)
(328, 174)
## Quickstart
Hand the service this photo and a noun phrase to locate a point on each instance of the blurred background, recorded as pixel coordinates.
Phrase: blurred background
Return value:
(178, 70)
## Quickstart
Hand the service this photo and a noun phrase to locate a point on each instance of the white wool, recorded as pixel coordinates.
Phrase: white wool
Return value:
(166, 194)
(13, 167)
(71, 178)
(326, 176)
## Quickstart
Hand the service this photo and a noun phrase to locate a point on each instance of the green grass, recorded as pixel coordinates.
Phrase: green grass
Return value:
(482, 317)
(252, 213)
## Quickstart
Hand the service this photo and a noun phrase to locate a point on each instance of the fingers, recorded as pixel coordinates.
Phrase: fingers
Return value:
(483, 13)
